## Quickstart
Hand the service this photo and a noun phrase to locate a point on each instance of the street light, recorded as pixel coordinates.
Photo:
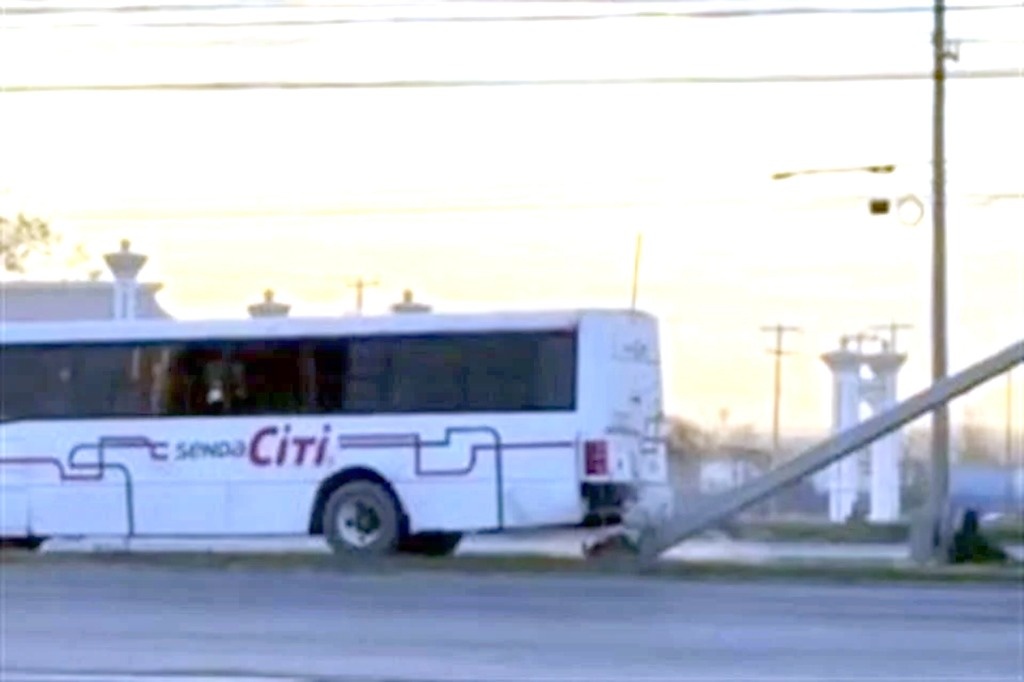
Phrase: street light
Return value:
(881, 170)
(909, 209)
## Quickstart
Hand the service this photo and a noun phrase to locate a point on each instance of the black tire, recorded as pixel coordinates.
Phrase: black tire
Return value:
(431, 544)
(372, 504)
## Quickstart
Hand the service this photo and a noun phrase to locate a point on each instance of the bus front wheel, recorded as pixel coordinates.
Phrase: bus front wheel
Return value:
(361, 518)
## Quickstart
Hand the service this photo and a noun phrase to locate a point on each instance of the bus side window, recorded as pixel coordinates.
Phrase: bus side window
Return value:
(53, 386)
(197, 381)
(101, 380)
(428, 375)
(555, 373)
(151, 369)
(16, 382)
(266, 377)
(368, 375)
(330, 366)
(34, 382)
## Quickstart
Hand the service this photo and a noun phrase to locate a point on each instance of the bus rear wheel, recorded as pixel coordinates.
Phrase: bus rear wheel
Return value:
(361, 519)
(430, 544)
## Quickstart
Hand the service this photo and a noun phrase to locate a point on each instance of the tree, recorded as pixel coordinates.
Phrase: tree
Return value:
(22, 237)
(686, 438)
(976, 444)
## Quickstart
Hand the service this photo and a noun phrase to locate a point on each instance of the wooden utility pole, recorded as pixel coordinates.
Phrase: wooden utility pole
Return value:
(1009, 456)
(360, 285)
(939, 488)
(780, 331)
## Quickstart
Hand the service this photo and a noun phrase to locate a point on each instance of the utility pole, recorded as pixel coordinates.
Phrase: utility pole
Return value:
(780, 331)
(360, 285)
(1009, 457)
(636, 268)
(938, 498)
(894, 328)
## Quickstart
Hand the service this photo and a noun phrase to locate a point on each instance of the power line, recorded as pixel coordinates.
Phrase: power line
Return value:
(989, 74)
(724, 13)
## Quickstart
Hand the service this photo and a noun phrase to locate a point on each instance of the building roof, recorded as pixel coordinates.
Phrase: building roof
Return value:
(65, 301)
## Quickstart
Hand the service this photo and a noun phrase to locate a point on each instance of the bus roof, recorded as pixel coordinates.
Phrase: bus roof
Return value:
(145, 330)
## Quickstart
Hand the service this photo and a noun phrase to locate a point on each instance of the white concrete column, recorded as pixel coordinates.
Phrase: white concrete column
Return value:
(268, 307)
(408, 305)
(885, 452)
(131, 297)
(843, 475)
(125, 266)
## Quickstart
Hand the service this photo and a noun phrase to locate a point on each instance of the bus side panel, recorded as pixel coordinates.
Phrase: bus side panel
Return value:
(541, 486)
(469, 472)
(182, 507)
(449, 505)
(249, 511)
(14, 488)
(442, 469)
(79, 508)
(446, 473)
(14, 504)
(540, 472)
(65, 489)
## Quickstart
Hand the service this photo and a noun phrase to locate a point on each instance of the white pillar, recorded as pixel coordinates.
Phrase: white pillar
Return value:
(125, 266)
(843, 475)
(268, 307)
(131, 292)
(118, 289)
(886, 451)
(408, 305)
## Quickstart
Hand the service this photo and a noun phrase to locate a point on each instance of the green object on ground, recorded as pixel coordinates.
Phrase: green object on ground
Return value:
(970, 546)
(855, 533)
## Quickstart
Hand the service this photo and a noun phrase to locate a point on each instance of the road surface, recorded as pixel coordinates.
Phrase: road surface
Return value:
(78, 619)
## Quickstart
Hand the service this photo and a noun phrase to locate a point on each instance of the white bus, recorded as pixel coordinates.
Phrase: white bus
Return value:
(379, 433)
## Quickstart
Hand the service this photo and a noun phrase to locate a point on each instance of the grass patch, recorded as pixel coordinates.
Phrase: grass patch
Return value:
(538, 565)
(856, 533)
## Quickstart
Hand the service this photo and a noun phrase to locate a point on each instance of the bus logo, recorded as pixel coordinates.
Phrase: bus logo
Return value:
(273, 446)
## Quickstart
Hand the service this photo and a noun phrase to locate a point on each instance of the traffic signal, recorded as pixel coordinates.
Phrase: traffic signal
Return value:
(879, 206)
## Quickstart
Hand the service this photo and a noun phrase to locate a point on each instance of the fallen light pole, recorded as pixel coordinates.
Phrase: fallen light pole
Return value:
(653, 540)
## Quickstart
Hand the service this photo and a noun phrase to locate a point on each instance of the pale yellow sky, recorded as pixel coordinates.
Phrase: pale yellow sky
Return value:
(531, 196)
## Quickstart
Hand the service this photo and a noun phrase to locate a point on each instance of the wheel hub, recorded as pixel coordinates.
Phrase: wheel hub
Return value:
(359, 523)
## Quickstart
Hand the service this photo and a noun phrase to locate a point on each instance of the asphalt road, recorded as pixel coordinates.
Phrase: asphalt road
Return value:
(80, 619)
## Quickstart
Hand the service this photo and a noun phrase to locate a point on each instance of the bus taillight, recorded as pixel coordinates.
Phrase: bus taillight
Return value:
(595, 457)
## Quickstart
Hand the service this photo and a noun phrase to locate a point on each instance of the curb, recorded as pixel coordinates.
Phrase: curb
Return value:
(847, 572)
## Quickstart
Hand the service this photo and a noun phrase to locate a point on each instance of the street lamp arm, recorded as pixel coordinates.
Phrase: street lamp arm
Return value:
(879, 169)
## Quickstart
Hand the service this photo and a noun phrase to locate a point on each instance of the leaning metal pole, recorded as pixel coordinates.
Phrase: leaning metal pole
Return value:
(656, 539)
(938, 498)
